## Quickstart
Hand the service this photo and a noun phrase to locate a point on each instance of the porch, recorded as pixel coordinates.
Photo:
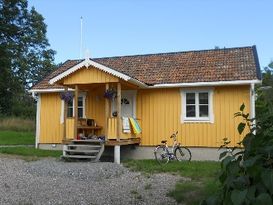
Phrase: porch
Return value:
(99, 117)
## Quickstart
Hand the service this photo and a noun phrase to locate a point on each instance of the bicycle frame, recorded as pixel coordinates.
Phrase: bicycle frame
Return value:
(162, 151)
(175, 144)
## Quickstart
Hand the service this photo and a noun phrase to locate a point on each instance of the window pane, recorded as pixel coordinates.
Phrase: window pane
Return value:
(190, 98)
(70, 112)
(70, 103)
(80, 112)
(204, 110)
(203, 98)
(190, 111)
(80, 101)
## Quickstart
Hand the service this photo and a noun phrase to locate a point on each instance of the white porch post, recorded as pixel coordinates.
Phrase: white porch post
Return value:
(117, 154)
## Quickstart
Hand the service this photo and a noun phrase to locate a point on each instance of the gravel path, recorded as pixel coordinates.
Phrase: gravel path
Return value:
(50, 181)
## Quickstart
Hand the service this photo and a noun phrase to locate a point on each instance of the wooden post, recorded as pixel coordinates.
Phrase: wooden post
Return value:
(65, 116)
(118, 111)
(106, 111)
(76, 111)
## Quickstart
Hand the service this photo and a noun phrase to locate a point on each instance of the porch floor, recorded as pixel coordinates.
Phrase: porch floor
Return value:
(108, 142)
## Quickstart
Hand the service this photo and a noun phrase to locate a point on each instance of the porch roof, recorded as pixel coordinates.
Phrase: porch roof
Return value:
(190, 67)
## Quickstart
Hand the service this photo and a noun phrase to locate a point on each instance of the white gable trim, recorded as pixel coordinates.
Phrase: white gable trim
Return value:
(86, 63)
(51, 90)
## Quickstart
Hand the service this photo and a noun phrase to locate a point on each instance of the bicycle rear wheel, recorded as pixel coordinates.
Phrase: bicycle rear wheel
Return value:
(182, 154)
(161, 155)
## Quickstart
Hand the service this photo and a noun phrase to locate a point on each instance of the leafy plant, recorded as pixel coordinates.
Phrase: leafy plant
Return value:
(247, 175)
(67, 96)
(110, 93)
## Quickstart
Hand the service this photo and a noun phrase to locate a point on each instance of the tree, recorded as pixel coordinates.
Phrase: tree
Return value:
(264, 103)
(246, 177)
(25, 56)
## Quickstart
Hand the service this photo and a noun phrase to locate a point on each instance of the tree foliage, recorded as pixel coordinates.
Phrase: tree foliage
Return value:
(25, 56)
(264, 103)
(247, 175)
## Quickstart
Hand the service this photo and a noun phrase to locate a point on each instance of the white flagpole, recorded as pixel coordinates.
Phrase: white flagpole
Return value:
(81, 48)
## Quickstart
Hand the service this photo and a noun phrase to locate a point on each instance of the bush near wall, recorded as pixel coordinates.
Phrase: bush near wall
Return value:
(247, 177)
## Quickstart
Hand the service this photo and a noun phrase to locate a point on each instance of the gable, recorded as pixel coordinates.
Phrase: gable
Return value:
(87, 76)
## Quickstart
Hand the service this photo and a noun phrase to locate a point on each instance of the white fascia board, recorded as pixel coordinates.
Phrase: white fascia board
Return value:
(52, 90)
(197, 84)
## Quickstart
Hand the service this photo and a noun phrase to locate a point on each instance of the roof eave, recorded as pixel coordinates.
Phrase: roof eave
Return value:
(202, 84)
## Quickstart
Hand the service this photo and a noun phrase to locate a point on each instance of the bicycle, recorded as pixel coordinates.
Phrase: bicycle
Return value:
(178, 152)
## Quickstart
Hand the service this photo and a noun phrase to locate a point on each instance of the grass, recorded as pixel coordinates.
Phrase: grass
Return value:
(17, 124)
(30, 152)
(203, 177)
(16, 138)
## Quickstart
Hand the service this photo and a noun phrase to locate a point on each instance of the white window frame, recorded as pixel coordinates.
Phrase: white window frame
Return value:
(83, 95)
(184, 118)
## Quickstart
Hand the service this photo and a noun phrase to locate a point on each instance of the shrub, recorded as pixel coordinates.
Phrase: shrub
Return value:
(17, 124)
(247, 176)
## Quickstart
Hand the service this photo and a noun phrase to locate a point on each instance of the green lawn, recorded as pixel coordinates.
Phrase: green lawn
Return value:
(16, 138)
(30, 152)
(203, 177)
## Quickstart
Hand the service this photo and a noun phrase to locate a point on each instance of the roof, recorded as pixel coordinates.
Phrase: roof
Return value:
(228, 64)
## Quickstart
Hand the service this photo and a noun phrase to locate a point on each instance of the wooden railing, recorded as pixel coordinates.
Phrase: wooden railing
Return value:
(112, 130)
(69, 128)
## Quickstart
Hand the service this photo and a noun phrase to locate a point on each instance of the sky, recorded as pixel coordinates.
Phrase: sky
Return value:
(128, 27)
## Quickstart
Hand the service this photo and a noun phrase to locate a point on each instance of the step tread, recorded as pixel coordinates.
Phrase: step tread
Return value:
(83, 145)
(79, 156)
(85, 151)
(87, 141)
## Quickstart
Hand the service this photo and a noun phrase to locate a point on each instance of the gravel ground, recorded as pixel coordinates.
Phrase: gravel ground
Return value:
(50, 181)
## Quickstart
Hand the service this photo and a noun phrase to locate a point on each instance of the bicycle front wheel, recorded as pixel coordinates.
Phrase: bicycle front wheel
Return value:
(161, 155)
(182, 154)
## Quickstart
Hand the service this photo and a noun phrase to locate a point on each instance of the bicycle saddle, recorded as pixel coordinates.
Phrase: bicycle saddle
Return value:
(163, 141)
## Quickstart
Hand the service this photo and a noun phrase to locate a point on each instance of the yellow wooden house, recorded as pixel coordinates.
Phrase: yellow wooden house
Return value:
(195, 93)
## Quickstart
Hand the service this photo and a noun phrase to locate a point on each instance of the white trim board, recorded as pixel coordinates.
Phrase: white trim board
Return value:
(170, 85)
(38, 121)
(52, 90)
(201, 84)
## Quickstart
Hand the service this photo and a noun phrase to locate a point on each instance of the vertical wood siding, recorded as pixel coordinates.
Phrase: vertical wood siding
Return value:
(89, 75)
(51, 129)
(160, 112)
(95, 106)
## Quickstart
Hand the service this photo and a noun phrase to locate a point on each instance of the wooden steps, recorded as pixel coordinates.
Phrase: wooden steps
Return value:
(84, 149)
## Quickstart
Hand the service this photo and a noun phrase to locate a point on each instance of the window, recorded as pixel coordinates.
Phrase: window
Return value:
(81, 107)
(197, 106)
